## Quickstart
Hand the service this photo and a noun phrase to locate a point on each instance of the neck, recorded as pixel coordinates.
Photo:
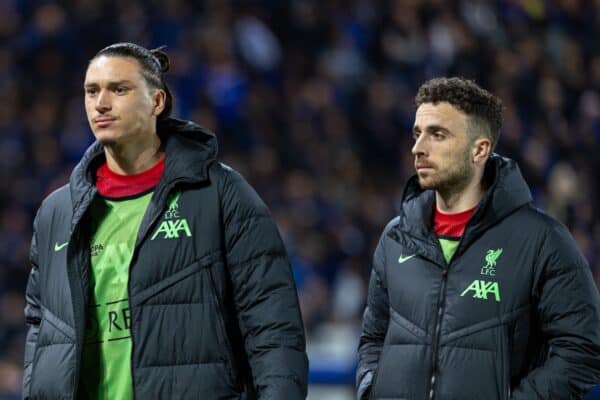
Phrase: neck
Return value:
(133, 158)
(451, 202)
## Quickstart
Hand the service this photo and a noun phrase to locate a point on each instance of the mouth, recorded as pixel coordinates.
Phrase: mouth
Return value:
(423, 167)
(103, 122)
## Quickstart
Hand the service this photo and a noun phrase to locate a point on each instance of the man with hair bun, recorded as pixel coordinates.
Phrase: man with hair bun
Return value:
(474, 293)
(157, 272)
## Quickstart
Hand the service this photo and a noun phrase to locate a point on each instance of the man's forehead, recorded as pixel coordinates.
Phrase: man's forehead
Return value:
(110, 69)
(442, 113)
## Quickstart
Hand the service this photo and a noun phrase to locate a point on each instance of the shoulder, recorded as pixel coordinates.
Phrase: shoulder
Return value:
(393, 229)
(57, 202)
(557, 245)
(393, 223)
(53, 218)
(540, 223)
(222, 174)
(381, 251)
(234, 191)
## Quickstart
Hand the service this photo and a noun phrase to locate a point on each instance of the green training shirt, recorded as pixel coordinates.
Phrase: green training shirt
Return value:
(106, 361)
(449, 246)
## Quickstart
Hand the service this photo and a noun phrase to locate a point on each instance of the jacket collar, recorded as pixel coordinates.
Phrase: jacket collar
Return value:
(507, 192)
(189, 149)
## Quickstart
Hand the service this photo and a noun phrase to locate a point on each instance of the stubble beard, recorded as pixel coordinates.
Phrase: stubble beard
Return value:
(107, 142)
(454, 179)
(104, 140)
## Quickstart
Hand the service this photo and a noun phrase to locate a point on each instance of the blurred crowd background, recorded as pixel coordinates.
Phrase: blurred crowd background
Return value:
(312, 101)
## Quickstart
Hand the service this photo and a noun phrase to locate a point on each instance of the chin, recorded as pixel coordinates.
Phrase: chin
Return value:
(107, 142)
(426, 184)
(106, 138)
(425, 180)
(429, 182)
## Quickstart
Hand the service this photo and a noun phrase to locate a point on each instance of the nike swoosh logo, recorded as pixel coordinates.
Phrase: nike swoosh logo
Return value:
(59, 247)
(403, 259)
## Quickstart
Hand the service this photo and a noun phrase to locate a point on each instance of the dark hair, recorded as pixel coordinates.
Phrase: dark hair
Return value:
(153, 65)
(483, 108)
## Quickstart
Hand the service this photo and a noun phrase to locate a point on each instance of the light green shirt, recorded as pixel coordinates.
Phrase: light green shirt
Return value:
(449, 247)
(106, 365)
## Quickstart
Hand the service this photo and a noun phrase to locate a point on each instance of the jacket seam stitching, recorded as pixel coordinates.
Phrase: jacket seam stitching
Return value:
(201, 364)
(41, 346)
(274, 254)
(242, 220)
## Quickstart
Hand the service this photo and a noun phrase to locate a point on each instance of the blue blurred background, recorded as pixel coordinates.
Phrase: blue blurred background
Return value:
(312, 102)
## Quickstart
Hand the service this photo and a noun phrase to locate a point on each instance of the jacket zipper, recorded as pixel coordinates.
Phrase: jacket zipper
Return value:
(78, 303)
(507, 357)
(131, 337)
(438, 321)
(139, 240)
(78, 295)
(438, 318)
(437, 333)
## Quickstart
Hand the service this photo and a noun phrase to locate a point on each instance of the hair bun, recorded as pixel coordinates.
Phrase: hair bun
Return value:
(162, 57)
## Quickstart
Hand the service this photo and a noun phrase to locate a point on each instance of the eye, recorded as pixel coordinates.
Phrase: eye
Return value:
(415, 135)
(121, 90)
(438, 135)
(91, 91)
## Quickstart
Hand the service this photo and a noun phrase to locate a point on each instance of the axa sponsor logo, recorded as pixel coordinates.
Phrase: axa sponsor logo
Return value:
(482, 289)
(172, 229)
(173, 226)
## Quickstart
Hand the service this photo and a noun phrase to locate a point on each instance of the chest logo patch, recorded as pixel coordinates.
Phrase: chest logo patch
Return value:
(173, 225)
(491, 258)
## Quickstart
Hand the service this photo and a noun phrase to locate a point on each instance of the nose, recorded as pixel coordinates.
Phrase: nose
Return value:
(418, 148)
(103, 103)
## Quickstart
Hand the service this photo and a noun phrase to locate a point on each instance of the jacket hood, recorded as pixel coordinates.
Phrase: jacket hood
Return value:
(507, 192)
(189, 149)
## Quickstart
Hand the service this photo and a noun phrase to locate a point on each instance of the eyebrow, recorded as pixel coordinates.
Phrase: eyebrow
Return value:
(110, 84)
(432, 128)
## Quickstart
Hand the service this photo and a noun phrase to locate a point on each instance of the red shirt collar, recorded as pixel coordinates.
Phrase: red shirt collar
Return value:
(451, 224)
(113, 185)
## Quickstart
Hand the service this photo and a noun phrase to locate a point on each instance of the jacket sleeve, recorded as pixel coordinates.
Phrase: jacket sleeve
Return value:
(33, 315)
(568, 307)
(374, 327)
(265, 294)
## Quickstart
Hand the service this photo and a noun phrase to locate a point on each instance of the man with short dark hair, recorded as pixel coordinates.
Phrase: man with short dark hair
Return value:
(474, 293)
(157, 272)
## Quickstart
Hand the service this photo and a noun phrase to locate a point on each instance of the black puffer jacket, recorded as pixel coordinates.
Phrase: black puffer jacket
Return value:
(214, 315)
(514, 315)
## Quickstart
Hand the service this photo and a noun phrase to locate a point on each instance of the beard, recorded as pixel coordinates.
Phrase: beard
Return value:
(452, 178)
(107, 142)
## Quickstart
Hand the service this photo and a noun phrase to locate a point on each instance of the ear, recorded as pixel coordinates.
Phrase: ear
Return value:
(481, 150)
(159, 97)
